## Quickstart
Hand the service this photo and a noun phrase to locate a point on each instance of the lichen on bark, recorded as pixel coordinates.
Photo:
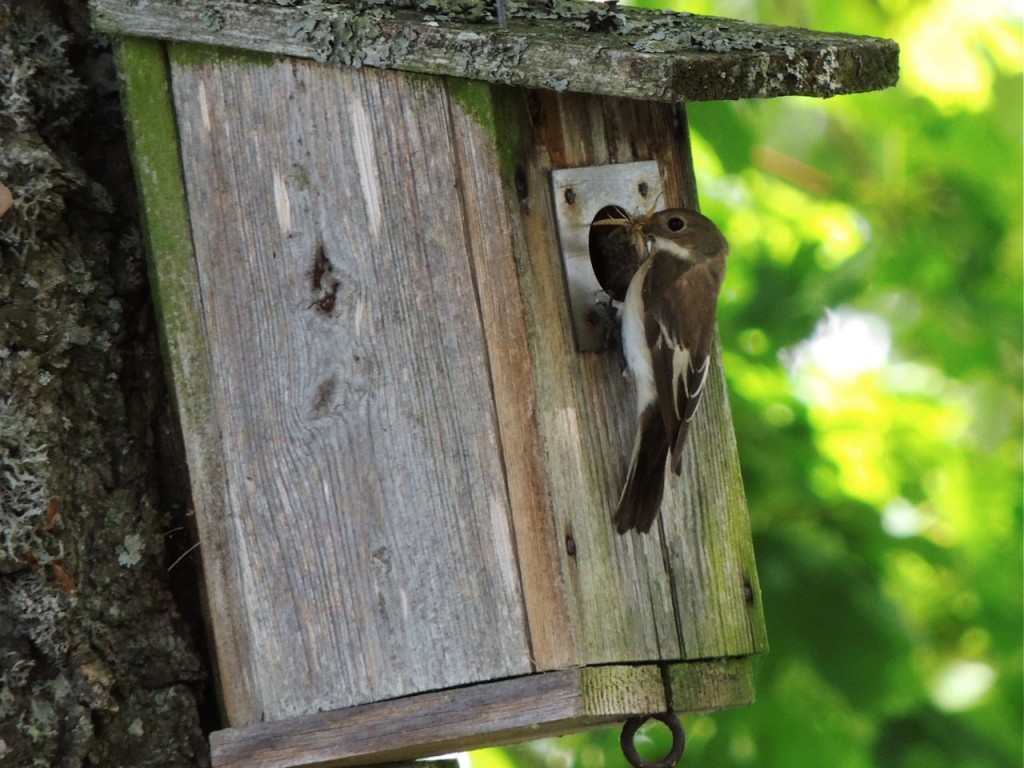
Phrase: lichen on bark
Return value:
(99, 668)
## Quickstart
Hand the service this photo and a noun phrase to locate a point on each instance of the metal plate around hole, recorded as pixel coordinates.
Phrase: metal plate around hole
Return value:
(579, 194)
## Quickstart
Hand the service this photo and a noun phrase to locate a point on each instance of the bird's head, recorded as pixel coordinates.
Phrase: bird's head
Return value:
(688, 234)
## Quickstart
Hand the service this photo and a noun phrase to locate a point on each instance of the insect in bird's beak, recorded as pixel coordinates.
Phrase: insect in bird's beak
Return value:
(634, 225)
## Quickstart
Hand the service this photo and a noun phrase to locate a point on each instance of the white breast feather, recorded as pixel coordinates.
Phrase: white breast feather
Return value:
(681, 252)
(634, 340)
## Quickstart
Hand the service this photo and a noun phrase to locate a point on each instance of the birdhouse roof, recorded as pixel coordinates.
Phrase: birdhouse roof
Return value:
(562, 45)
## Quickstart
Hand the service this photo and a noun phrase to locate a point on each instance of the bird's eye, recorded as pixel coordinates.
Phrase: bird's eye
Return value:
(676, 224)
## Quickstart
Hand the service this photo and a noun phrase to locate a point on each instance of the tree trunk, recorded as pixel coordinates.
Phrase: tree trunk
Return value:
(99, 660)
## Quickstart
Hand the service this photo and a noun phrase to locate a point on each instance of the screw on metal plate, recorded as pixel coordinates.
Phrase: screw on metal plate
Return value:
(675, 754)
(580, 194)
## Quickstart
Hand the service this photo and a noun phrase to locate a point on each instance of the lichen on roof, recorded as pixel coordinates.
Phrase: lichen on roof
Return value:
(561, 44)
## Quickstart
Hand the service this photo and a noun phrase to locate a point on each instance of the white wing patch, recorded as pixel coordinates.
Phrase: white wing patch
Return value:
(680, 367)
(694, 396)
(680, 364)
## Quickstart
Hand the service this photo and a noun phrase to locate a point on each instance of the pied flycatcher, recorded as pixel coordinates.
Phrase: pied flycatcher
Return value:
(668, 325)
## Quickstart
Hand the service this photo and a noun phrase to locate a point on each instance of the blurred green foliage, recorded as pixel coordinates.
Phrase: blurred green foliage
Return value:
(873, 332)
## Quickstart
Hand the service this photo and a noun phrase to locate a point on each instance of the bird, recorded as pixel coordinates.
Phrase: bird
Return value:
(668, 324)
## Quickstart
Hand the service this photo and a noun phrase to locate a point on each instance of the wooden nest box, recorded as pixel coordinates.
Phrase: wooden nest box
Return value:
(368, 231)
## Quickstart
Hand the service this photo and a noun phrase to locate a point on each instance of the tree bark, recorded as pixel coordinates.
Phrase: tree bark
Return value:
(100, 662)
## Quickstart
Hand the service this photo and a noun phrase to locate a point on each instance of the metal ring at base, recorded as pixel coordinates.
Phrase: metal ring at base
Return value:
(675, 754)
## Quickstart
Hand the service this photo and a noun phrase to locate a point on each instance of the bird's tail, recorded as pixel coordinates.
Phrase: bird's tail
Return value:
(645, 482)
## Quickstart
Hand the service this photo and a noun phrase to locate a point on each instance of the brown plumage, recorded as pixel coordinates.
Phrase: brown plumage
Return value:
(667, 329)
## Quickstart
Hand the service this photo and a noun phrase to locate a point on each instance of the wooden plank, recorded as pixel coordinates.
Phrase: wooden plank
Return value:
(488, 714)
(487, 190)
(710, 685)
(153, 138)
(708, 546)
(689, 591)
(368, 513)
(563, 46)
(618, 591)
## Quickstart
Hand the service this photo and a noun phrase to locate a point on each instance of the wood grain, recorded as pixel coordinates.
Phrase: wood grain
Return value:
(367, 508)
(487, 199)
(174, 278)
(710, 685)
(568, 47)
(488, 714)
(707, 544)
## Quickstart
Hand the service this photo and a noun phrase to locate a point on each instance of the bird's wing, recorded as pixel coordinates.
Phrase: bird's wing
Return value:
(680, 325)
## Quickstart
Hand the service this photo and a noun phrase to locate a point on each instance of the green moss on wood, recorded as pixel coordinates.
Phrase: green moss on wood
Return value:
(475, 99)
(626, 689)
(707, 685)
(501, 112)
(153, 137)
(191, 54)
